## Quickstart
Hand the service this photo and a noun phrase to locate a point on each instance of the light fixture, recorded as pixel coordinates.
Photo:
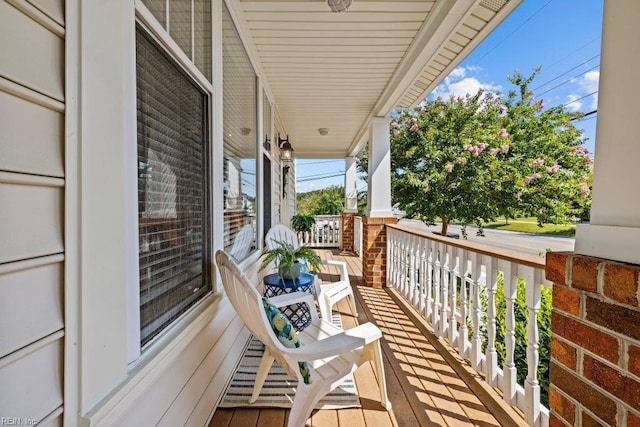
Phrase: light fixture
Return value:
(339, 5)
(323, 131)
(286, 150)
(267, 143)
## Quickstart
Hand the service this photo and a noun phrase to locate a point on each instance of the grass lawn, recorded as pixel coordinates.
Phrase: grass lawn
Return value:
(530, 225)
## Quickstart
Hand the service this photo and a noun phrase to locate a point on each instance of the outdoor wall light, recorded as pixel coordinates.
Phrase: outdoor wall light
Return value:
(286, 150)
(267, 143)
(323, 131)
(339, 5)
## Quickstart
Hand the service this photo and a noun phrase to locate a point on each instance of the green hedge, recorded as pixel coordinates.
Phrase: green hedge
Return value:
(520, 312)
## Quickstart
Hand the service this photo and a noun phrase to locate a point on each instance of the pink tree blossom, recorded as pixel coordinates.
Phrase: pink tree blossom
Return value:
(461, 160)
(538, 162)
(584, 189)
(503, 133)
(553, 169)
(449, 167)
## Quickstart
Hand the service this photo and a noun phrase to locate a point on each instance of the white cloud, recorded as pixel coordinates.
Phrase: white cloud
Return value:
(572, 104)
(459, 83)
(471, 86)
(457, 72)
(589, 83)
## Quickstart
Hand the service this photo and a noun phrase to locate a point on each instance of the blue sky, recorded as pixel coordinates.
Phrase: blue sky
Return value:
(562, 36)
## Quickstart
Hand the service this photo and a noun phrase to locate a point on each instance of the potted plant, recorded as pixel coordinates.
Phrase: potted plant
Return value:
(303, 222)
(287, 259)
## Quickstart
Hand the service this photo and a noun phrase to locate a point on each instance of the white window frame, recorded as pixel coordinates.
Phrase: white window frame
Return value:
(154, 29)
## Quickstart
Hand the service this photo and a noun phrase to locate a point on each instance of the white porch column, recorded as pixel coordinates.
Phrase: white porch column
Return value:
(614, 232)
(379, 190)
(350, 190)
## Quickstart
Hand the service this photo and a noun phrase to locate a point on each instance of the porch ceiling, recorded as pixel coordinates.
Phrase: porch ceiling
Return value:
(337, 70)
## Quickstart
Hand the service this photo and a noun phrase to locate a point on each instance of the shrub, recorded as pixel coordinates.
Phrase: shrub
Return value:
(520, 351)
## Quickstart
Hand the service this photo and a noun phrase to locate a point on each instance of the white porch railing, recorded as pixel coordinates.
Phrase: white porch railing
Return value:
(326, 233)
(357, 235)
(453, 285)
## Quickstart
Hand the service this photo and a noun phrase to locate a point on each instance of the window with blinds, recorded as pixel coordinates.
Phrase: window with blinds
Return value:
(173, 190)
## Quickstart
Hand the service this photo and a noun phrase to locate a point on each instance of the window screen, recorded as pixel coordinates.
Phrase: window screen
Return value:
(172, 189)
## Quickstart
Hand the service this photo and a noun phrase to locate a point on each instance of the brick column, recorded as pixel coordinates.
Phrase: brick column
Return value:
(595, 347)
(374, 257)
(347, 231)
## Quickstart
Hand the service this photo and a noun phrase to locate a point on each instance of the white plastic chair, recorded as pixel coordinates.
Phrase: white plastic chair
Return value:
(330, 352)
(328, 293)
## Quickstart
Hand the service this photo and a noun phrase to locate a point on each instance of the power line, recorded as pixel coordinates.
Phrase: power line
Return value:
(323, 161)
(321, 174)
(585, 116)
(568, 80)
(578, 99)
(513, 32)
(317, 179)
(574, 52)
(568, 71)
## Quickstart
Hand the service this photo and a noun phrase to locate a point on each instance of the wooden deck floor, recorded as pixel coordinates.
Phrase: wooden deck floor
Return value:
(427, 385)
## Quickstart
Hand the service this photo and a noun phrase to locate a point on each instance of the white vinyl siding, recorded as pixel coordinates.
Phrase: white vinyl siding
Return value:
(32, 182)
(32, 56)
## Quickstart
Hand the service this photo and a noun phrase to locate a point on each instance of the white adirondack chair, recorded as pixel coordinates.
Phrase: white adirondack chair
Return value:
(242, 243)
(328, 293)
(330, 352)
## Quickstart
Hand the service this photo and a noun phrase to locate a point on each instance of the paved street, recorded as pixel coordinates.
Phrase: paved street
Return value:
(536, 244)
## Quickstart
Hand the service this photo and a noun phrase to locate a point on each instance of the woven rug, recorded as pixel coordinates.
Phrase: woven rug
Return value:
(278, 390)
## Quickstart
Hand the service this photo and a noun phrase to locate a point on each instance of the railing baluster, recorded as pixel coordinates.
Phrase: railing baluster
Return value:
(437, 275)
(404, 266)
(455, 275)
(416, 272)
(463, 340)
(422, 279)
(491, 354)
(531, 385)
(430, 272)
(476, 312)
(444, 289)
(509, 370)
(411, 268)
(390, 257)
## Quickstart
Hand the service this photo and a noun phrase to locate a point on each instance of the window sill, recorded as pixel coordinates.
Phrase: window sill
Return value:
(158, 357)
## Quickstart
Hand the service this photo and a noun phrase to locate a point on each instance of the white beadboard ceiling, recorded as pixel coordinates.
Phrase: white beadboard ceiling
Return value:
(337, 70)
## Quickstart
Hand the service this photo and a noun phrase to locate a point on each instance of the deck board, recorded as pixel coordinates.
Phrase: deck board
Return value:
(423, 387)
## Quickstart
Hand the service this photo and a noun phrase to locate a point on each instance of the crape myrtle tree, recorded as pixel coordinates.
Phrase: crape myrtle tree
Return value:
(471, 159)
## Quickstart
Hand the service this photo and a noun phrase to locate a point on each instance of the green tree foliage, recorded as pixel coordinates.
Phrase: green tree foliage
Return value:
(471, 159)
(327, 201)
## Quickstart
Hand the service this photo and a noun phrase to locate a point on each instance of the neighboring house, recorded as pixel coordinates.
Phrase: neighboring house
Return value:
(124, 125)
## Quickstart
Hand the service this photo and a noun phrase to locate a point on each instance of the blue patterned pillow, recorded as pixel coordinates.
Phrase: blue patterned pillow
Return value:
(285, 333)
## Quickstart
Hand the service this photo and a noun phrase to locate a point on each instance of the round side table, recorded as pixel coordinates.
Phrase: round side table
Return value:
(298, 314)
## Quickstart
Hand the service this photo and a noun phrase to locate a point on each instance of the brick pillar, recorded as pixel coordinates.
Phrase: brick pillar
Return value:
(347, 231)
(595, 347)
(374, 257)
